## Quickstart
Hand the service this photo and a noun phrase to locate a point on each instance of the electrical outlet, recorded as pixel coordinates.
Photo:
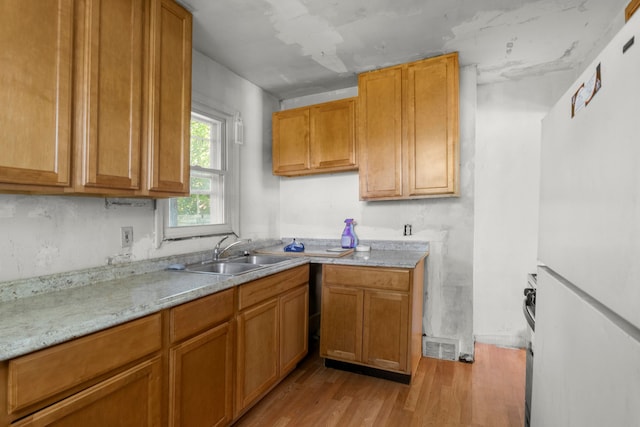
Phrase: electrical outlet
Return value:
(407, 229)
(127, 236)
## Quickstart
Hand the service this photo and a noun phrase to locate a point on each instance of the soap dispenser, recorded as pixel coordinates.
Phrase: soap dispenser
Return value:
(349, 238)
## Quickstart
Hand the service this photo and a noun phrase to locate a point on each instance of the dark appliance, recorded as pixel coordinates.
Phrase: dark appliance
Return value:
(529, 310)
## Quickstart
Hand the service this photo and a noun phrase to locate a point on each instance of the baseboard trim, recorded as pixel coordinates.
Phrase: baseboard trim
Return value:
(509, 341)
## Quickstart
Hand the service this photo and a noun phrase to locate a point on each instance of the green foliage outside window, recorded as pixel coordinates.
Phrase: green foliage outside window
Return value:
(196, 209)
(200, 140)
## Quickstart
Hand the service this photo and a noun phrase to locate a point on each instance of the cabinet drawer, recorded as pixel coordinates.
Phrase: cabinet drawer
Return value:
(193, 317)
(43, 374)
(270, 286)
(393, 279)
(131, 397)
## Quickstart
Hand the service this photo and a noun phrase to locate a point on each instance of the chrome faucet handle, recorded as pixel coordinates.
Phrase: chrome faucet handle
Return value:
(216, 250)
(221, 240)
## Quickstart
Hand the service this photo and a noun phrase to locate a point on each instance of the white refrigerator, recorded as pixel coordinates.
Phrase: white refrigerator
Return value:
(586, 368)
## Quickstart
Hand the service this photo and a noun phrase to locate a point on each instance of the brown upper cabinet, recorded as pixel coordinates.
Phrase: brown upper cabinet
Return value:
(166, 152)
(408, 132)
(108, 94)
(105, 87)
(315, 139)
(631, 9)
(36, 41)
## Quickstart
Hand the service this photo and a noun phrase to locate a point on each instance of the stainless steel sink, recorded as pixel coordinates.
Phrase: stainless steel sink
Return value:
(237, 265)
(230, 268)
(259, 259)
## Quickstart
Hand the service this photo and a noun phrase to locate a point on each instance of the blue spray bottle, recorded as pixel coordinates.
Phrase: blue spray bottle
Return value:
(349, 238)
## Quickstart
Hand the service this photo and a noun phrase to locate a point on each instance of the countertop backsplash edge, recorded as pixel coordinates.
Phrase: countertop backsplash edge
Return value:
(31, 286)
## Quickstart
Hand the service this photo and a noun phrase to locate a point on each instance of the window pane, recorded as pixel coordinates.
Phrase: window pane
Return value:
(206, 211)
(200, 184)
(200, 143)
(206, 142)
(205, 206)
(193, 210)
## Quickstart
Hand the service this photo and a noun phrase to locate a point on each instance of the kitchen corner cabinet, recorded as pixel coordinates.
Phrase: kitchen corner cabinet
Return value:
(272, 332)
(94, 380)
(316, 139)
(201, 361)
(98, 97)
(408, 130)
(372, 316)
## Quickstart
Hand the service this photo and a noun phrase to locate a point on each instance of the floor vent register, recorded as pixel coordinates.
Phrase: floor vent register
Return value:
(440, 348)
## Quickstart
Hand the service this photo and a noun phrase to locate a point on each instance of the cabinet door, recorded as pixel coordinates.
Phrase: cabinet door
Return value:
(257, 360)
(333, 138)
(36, 46)
(294, 328)
(341, 323)
(291, 142)
(386, 330)
(380, 133)
(111, 37)
(131, 398)
(167, 157)
(432, 126)
(200, 381)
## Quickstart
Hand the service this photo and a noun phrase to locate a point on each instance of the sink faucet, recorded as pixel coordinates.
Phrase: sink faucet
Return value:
(217, 251)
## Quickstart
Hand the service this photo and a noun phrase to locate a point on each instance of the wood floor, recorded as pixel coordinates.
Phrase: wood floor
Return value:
(486, 393)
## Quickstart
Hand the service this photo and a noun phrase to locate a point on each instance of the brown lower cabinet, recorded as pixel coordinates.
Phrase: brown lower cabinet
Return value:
(131, 398)
(202, 363)
(257, 352)
(372, 317)
(108, 378)
(201, 367)
(201, 373)
(294, 328)
(272, 333)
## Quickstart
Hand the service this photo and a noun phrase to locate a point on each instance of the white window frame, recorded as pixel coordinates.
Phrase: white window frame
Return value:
(209, 108)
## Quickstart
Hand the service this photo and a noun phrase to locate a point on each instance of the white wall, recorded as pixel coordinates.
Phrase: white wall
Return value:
(316, 206)
(43, 235)
(506, 193)
(258, 187)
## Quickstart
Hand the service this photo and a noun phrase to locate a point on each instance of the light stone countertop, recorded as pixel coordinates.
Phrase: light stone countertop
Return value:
(44, 319)
(375, 258)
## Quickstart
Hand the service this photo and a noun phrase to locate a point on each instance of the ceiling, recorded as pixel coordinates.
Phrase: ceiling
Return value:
(292, 48)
